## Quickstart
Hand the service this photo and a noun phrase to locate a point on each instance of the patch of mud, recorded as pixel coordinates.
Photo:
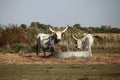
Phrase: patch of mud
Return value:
(31, 58)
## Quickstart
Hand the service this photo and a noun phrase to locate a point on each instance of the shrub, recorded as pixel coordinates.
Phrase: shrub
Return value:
(17, 47)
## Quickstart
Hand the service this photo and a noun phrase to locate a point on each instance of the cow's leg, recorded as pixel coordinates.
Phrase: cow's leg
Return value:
(90, 51)
(44, 51)
(38, 47)
(53, 51)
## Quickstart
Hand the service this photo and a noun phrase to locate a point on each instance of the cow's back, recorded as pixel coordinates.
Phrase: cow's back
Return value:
(44, 38)
(91, 40)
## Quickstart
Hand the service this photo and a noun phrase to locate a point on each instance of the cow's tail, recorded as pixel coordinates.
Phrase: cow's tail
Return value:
(38, 46)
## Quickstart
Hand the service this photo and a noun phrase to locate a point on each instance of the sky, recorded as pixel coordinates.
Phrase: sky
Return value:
(60, 13)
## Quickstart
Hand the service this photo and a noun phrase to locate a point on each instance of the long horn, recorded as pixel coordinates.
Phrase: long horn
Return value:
(51, 29)
(74, 37)
(64, 29)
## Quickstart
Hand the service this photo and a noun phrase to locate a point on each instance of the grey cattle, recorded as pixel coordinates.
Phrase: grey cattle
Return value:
(47, 41)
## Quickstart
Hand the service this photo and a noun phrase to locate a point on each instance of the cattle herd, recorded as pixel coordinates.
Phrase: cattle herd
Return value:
(48, 41)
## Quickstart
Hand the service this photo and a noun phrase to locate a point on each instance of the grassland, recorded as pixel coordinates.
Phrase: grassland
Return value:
(104, 65)
(60, 72)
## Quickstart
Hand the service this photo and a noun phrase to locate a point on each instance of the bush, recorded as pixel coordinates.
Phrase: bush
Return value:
(30, 49)
(17, 47)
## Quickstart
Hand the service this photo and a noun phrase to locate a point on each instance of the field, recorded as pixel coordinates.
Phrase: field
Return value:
(24, 66)
(60, 72)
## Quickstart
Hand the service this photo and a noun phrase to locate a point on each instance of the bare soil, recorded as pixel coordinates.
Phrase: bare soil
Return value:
(31, 58)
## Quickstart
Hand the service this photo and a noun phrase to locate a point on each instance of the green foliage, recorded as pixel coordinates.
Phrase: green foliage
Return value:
(30, 49)
(24, 26)
(17, 47)
(13, 37)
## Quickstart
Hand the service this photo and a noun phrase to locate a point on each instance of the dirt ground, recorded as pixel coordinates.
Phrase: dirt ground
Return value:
(31, 58)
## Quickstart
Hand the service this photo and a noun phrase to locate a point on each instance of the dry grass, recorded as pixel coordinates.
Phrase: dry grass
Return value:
(107, 34)
(31, 58)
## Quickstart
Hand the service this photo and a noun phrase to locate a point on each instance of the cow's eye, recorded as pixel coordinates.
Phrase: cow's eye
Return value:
(63, 34)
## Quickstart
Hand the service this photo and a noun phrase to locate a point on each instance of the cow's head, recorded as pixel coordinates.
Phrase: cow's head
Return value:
(58, 33)
(79, 41)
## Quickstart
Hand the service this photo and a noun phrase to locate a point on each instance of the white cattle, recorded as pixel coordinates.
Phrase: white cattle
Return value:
(85, 43)
(47, 41)
(88, 39)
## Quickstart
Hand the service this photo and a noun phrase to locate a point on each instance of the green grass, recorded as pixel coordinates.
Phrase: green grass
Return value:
(60, 72)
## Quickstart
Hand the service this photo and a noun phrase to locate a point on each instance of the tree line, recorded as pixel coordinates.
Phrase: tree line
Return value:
(14, 37)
